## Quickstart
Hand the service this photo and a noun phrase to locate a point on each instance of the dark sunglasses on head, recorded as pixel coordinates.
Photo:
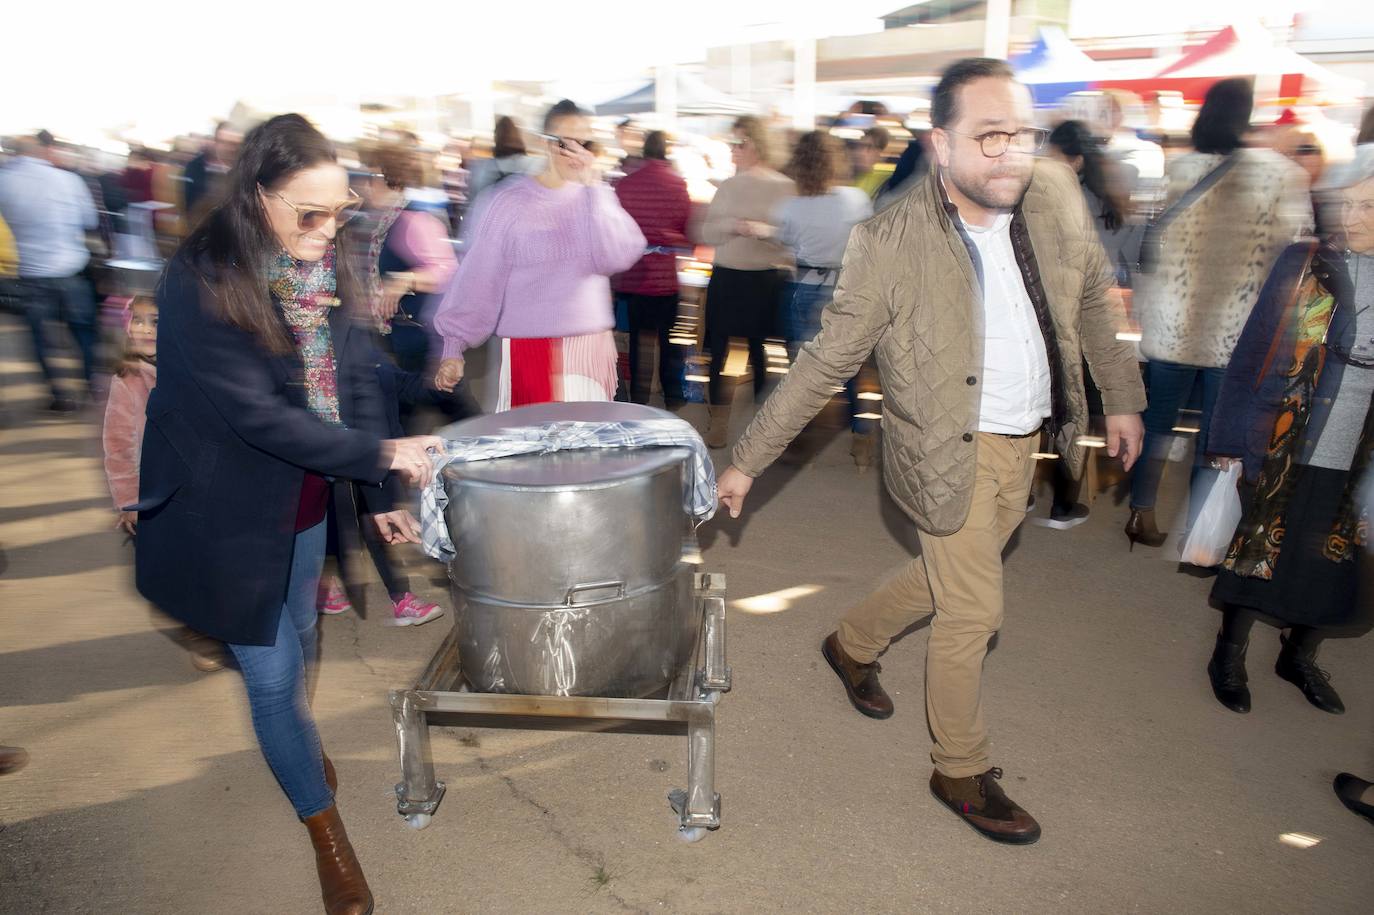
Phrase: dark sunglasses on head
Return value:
(309, 218)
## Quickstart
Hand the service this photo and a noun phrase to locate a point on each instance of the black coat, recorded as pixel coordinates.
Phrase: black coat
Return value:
(228, 440)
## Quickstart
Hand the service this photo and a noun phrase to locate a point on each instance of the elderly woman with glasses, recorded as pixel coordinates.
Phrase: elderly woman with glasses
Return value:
(265, 394)
(1295, 411)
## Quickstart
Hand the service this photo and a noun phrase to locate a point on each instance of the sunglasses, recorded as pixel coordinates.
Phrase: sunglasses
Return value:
(311, 218)
(569, 143)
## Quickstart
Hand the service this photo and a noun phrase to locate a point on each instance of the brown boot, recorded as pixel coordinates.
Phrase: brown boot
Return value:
(342, 883)
(860, 680)
(719, 427)
(980, 802)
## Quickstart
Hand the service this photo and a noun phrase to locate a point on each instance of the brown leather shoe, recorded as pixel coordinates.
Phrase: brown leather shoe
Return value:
(860, 680)
(980, 802)
(342, 883)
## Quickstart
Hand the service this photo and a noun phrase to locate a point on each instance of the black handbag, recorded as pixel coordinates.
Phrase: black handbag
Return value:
(1151, 247)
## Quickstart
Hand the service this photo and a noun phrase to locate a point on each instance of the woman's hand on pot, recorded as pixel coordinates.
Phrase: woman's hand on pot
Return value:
(410, 457)
(397, 526)
(449, 374)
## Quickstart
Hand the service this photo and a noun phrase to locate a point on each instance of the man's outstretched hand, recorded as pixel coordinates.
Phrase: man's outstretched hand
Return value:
(732, 487)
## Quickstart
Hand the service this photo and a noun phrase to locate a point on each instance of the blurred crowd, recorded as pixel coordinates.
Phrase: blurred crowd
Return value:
(584, 259)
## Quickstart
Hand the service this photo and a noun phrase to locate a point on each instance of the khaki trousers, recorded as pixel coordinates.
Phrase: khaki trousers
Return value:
(959, 579)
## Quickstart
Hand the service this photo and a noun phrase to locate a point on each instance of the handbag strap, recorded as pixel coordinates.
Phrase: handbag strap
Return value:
(1197, 190)
(1281, 331)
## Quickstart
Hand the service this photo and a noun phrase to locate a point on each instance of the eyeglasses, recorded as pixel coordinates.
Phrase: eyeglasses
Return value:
(311, 218)
(995, 143)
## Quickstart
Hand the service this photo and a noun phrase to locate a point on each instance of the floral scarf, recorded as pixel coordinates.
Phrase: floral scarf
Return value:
(305, 291)
(1259, 537)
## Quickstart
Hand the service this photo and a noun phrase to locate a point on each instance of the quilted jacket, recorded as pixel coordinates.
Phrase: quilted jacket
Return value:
(909, 291)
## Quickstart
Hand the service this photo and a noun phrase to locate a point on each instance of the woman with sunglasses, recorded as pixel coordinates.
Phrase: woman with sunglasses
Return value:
(536, 275)
(1295, 411)
(265, 393)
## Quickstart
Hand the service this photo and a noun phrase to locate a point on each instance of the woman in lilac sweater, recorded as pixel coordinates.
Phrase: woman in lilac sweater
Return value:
(536, 275)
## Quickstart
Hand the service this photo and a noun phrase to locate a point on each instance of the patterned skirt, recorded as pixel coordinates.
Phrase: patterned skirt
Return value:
(556, 369)
(1307, 589)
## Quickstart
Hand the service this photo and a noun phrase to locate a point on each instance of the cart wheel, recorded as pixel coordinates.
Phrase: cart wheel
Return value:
(692, 833)
(418, 820)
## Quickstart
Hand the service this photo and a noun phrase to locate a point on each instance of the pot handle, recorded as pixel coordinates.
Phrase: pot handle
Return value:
(571, 599)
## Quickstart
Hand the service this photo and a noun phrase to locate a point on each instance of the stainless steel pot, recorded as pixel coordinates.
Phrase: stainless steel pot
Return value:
(528, 528)
(601, 641)
(569, 575)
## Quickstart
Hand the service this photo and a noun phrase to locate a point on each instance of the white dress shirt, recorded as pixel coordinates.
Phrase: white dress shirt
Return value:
(1016, 369)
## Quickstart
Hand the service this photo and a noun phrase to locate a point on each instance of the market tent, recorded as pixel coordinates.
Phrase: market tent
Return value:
(694, 97)
(1282, 76)
(1055, 67)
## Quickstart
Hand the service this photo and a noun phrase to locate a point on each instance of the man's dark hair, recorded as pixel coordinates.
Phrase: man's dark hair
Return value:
(878, 137)
(45, 139)
(567, 108)
(1224, 117)
(656, 145)
(944, 102)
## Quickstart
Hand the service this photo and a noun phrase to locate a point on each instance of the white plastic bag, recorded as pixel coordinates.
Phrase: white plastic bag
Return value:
(1215, 527)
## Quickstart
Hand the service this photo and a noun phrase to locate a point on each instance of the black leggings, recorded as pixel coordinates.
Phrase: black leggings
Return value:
(345, 526)
(719, 344)
(1236, 623)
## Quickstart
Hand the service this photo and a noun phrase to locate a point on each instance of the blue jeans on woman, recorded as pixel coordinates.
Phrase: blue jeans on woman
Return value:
(277, 677)
(1169, 387)
(801, 321)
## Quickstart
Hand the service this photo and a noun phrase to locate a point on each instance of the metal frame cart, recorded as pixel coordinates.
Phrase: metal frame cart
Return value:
(690, 703)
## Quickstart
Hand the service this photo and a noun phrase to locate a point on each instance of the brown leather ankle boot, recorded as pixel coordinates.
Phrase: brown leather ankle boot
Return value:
(342, 883)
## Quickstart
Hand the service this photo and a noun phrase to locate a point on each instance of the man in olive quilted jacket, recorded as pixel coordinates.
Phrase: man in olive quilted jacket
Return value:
(982, 292)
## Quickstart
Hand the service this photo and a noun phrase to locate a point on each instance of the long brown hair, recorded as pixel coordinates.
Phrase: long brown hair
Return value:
(234, 246)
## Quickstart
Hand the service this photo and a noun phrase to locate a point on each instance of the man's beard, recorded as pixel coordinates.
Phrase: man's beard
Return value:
(994, 200)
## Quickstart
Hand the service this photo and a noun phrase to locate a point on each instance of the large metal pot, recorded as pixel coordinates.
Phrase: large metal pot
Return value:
(528, 528)
(569, 576)
(602, 641)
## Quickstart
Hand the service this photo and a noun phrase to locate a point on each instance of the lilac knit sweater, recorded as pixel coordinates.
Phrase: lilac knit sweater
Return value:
(537, 265)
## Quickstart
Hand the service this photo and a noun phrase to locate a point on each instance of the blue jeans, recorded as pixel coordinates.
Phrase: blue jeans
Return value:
(277, 679)
(68, 299)
(1170, 384)
(801, 321)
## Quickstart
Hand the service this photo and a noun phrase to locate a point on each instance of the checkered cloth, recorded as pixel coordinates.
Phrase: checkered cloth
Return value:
(699, 490)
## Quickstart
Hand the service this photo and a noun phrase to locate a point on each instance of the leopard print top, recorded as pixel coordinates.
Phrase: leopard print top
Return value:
(1217, 254)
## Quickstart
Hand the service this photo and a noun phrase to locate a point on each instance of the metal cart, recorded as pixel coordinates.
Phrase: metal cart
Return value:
(689, 703)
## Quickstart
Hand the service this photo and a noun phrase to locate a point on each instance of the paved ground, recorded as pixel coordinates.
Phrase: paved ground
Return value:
(147, 793)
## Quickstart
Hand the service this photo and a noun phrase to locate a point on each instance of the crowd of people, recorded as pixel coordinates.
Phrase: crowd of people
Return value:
(1018, 289)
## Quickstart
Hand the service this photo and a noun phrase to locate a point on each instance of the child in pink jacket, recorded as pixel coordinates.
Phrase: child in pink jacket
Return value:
(125, 414)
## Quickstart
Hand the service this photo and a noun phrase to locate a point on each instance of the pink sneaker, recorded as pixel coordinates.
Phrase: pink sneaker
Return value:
(411, 611)
(332, 599)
